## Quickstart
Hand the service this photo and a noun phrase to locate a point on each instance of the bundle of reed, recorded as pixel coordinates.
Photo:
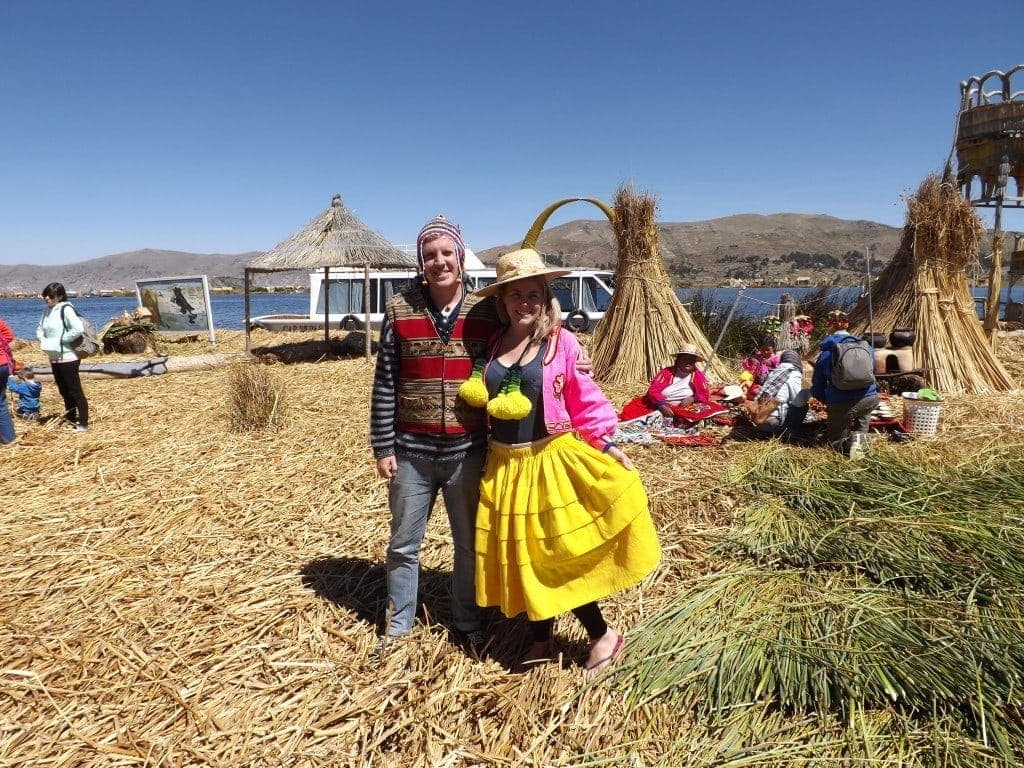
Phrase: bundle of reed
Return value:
(255, 397)
(645, 323)
(853, 591)
(925, 287)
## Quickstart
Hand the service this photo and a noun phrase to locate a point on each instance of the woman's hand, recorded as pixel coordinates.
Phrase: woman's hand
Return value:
(616, 453)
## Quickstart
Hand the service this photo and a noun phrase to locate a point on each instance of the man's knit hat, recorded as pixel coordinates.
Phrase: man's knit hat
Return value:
(440, 226)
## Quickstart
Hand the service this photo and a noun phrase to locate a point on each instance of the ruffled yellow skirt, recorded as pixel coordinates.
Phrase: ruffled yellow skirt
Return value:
(559, 524)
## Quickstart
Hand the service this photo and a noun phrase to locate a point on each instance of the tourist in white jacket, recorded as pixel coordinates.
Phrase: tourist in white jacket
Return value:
(59, 326)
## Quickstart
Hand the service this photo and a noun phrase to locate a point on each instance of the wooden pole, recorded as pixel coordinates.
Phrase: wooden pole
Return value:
(245, 284)
(995, 279)
(787, 311)
(326, 285)
(366, 307)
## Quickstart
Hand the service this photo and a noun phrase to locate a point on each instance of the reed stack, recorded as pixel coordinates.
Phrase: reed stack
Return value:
(645, 323)
(925, 288)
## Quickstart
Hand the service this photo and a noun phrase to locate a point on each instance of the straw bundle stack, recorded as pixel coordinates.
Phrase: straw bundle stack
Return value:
(924, 287)
(645, 323)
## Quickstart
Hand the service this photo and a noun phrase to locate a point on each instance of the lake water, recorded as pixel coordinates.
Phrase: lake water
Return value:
(229, 310)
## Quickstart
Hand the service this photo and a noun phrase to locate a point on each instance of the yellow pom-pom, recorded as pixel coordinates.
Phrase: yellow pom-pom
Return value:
(511, 406)
(474, 392)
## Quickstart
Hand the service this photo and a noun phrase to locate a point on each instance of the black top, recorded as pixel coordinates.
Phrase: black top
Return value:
(531, 427)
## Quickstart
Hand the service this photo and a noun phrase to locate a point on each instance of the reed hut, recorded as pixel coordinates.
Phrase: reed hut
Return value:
(924, 288)
(335, 238)
(645, 323)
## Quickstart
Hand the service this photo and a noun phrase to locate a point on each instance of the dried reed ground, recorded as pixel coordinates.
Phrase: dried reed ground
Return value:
(177, 594)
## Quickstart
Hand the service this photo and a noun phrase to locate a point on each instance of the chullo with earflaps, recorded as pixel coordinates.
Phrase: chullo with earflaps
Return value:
(645, 323)
(925, 287)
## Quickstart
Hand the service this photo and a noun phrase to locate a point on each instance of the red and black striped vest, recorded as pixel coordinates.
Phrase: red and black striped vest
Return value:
(431, 371)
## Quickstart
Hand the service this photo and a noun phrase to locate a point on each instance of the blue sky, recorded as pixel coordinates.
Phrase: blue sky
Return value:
(224, 127)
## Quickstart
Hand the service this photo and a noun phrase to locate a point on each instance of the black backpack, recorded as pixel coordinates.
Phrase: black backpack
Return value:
(853, 364)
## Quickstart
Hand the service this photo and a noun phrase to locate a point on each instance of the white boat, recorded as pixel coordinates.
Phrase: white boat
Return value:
(584, 295)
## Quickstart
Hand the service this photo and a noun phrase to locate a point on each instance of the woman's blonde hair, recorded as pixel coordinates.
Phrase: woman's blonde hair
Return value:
(550, 318)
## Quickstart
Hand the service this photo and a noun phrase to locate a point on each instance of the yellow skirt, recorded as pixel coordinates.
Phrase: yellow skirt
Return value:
(559, 524)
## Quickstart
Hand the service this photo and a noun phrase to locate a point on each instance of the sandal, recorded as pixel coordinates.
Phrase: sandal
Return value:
(591, 671)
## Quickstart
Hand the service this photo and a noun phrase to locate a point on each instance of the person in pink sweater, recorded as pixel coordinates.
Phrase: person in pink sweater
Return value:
(674, 390)
(563, 519)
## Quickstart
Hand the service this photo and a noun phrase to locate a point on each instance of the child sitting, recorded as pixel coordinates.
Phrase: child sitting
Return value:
(763, 361)
(27, 389)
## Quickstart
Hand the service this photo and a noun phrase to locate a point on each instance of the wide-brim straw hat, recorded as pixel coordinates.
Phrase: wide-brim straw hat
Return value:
(690, 349)
(520, 265)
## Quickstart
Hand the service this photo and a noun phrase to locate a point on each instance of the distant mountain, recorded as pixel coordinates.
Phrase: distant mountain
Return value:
(778, 247)
(121, 270)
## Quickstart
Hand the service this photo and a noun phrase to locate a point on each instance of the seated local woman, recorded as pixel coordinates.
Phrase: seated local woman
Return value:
(781, 403)
(675, 391)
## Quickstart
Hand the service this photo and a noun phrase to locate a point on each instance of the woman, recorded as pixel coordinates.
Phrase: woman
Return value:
(674, 391)
(59, 326)
(6, 369)
(562, 521)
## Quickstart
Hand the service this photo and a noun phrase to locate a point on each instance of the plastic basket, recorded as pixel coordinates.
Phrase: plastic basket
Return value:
(921, 417)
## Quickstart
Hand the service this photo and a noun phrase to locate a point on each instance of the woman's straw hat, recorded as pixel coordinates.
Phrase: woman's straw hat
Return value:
(690, 349)
(519, 265)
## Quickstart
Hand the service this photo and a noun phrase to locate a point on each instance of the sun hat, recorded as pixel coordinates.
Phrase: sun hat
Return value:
(690, 349)
(837, 314)
(520, 265)
(732, 392)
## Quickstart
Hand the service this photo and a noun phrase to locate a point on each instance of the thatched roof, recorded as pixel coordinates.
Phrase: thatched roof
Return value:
(335, 238)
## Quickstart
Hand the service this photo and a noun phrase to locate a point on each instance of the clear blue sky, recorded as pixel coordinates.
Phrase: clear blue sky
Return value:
(224, 127)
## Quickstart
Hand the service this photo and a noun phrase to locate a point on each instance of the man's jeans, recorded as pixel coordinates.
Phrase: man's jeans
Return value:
(411, 497)
(841, 414)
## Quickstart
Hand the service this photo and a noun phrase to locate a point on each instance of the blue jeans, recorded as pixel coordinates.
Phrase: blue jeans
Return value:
(6, 422)
(411, 496)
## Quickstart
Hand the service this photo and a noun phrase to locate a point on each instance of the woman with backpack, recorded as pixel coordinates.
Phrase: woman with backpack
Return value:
(58, 328)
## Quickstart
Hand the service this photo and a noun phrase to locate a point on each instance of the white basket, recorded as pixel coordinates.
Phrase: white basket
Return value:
(921, 417)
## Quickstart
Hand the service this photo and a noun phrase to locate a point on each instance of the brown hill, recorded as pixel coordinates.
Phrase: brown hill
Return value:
(121, 270)
(822, 247)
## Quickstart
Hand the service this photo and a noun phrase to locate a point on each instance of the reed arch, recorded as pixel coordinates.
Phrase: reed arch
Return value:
(530, 241)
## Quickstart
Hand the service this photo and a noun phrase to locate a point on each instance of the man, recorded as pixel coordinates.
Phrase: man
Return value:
(424, 438)
(845, 403)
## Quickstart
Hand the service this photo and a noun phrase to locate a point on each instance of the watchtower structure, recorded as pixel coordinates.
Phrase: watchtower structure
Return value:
(989, 153)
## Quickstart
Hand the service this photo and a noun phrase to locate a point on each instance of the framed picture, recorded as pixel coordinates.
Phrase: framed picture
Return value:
(178, 304)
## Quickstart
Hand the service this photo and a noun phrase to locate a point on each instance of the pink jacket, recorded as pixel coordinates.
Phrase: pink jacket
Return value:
(655, 393)
(571, 399)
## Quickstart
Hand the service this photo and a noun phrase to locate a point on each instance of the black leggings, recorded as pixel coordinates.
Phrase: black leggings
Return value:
(589, 615)
(69, 384)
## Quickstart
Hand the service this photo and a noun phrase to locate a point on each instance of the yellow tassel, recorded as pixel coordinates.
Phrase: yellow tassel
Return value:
(511, 406)
(473, 391)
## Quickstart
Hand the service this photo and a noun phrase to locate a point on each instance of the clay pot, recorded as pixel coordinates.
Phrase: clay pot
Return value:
(902, 337)
(876, 340)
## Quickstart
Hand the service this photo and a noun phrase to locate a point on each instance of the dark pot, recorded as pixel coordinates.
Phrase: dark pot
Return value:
(876, 340)
(902, 337)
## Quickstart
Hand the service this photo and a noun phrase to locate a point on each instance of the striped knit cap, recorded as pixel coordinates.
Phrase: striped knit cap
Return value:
(436, 227)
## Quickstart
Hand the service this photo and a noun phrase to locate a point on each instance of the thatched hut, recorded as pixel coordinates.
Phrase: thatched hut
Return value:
(645, 323)
(925, 288)
(335, 238)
